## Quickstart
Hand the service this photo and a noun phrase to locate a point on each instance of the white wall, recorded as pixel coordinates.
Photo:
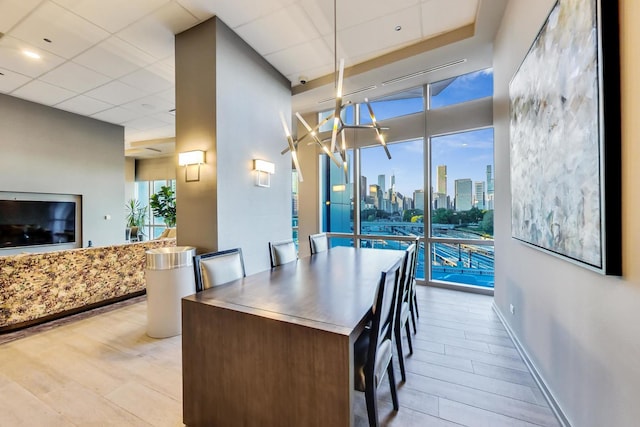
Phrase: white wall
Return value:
(45, 150)
(580, 329)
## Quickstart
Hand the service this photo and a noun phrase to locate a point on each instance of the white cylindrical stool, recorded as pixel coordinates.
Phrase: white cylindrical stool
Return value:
(169, 276)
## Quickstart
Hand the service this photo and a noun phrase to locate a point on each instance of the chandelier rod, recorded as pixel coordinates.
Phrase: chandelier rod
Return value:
(335, 44)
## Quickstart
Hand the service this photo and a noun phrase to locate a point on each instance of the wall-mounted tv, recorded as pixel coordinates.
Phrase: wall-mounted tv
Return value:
(37, 222)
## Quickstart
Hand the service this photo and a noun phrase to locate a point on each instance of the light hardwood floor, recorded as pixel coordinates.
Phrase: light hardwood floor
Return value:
(104, 371)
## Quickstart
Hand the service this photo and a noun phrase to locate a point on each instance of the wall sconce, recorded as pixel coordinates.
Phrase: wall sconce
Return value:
(191, 159)
(264, 170)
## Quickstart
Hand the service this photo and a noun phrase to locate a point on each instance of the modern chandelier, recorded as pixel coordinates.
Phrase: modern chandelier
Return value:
(338, 124)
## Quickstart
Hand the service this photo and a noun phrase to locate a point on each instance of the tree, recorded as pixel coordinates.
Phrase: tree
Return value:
(487, 222)
(410, 213)
(442, 216)
(163, 204)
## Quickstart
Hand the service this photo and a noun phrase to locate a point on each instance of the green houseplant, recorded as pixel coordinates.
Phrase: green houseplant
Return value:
(163, 204)
(135, 215)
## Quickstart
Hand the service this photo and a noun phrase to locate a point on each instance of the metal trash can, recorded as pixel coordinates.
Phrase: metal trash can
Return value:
(169, 277)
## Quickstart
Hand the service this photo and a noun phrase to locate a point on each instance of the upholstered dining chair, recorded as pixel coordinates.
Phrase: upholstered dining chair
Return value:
(318, 243)
(403, 307)
(216, 268)
(282, 252)
(373, 350)
(413, 303)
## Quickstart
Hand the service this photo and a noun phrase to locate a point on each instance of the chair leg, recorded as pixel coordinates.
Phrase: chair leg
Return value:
(398, 340)
(392, 384)
(413, 319)
(407, 328)
(370, 397)
(415, 302)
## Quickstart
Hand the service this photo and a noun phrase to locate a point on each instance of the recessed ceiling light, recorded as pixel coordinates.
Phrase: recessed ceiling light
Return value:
(1, 73)
(47, 40)
(31, 54)
(398, 27)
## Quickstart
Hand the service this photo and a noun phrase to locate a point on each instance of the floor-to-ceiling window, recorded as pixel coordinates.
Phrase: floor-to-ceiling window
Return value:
(154, 225)
(454, 218)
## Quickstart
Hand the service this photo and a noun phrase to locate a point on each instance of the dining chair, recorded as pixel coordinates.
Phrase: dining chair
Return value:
(403, 307)
(373, 350)
(282, 252)
(413, 303)
(216, 268)
(318, 243)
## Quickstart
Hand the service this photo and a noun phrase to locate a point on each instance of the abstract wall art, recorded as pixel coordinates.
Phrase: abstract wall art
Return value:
(565, 137)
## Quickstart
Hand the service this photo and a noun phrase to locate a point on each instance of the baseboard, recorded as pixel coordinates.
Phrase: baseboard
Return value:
(553, 403)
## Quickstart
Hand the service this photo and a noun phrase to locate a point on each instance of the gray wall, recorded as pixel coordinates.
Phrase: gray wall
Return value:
(580, 329)
(45, 150)
(228, 103)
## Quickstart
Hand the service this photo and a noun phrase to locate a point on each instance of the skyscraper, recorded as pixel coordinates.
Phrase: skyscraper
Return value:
(479, 196)
(381, 181)
(489, 188)
(418, 199)
(442, 179)
(464, 194)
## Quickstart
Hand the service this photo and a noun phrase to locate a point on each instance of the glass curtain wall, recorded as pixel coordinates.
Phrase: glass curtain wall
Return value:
(390, 196)
(144, 190)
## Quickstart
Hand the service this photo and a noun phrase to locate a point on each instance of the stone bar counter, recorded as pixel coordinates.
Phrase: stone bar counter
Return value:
(37, 287)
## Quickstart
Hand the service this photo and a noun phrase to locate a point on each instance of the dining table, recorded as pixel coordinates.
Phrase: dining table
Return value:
(275, 348)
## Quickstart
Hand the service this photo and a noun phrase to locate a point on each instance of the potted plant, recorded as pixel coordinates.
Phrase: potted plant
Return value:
(135, 215)
(163, 204)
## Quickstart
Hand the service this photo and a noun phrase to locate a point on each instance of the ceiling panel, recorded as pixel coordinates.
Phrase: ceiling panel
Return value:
(285, 28)
(83, 105)
(155, 33)
(114, 57)
(436, 20)
(13, 11)
(69, 34)
(149, 105)
(147, 80)
(378, 36)
(43, 93)
(12, 58)
(112, 15)
(305, 56)
(116, 115)
(10, 81)
(75, 77)
(234, 13)
(116, 93)
(144, 123)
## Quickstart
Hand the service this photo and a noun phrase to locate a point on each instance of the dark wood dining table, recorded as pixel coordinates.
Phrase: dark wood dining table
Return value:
(276, 348)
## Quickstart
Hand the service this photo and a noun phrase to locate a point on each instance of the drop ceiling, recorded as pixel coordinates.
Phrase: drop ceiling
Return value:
(113, 60)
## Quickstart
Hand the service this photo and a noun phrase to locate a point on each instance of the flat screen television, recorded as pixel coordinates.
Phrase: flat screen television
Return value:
(34, 222)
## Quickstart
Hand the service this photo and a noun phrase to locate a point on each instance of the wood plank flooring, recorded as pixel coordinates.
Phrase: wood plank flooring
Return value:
(104, 371)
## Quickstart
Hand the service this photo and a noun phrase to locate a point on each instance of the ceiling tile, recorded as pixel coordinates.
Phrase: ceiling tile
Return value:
(75, 77)
(149, 105)
(166, 118)
(114, 57)
(14, 11)
(436, 20)
(285, 28)
(165, 131)
(301, 57)
(155, 34)
(116, 115)
(148, 80)
(69, 34)
(112, 15)
(168, 95)
(10, 81)
(234, 13)
(116, 93)
(12, 58)
(43, 93)
(83, 105)
(378, 36)
(144, 123)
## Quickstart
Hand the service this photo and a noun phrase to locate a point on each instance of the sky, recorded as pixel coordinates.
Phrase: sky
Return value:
(466, 154)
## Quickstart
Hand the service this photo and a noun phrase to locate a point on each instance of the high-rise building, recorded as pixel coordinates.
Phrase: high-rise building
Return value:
(376, 195)
(418, 199)
(464, 194)
(479, 195)
(363, 187)
(489, 188)
(381, 182)
(442, 179)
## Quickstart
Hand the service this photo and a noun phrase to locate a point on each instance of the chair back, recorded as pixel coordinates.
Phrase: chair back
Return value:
(216, 268)
(382, 324)
(282, 252)
(408, 273)
(318, 243)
